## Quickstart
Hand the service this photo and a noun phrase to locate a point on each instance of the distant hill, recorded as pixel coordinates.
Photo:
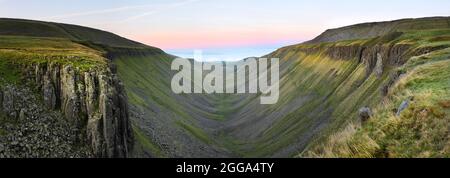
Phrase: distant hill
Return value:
(374, 29)
(20, 27)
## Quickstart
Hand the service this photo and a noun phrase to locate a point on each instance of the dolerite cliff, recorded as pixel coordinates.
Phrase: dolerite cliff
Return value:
(374, 57)
(94, 101)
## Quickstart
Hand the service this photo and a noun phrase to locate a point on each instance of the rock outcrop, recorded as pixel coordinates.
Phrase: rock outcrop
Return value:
(404, 105)
(374, 57)
(364, 114)
(93, 100)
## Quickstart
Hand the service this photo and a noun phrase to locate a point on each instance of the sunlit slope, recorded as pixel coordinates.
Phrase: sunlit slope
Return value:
(422, 129)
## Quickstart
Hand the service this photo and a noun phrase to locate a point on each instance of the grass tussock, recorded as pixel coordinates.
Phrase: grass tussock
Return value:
(346, 144)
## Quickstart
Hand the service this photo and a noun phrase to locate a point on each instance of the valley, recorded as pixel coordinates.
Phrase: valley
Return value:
(117, 94)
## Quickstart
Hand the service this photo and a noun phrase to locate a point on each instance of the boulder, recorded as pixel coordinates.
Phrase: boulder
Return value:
(364, 114)
(404, 105)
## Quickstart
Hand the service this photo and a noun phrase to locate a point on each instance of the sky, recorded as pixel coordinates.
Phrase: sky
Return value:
(222, 29)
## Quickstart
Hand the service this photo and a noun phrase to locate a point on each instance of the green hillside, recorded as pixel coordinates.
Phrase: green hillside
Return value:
(19, 27)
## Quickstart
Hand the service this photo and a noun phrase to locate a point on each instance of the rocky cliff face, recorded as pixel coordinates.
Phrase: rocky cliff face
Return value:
(394, 54)
(94, 101)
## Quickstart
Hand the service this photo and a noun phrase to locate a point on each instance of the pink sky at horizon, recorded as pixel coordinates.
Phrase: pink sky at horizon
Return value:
(199, 24)
(219, 39)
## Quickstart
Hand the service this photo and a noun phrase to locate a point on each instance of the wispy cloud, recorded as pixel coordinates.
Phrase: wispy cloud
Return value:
(161, 9)
(149, 9)
(100, 11)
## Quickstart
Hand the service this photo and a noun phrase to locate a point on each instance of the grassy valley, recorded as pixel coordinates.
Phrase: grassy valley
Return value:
(323, 85)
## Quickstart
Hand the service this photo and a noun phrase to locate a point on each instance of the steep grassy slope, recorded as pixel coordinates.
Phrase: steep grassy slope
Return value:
(422, 130)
